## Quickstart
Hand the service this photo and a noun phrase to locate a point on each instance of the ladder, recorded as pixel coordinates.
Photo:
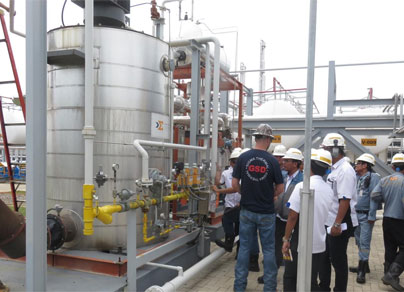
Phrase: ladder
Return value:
(3, 126)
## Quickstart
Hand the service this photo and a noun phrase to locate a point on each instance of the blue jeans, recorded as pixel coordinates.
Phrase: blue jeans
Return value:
(249, 223)
(363, 236)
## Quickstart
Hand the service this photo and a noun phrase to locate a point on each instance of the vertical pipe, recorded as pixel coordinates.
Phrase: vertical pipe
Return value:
(36, 145)
(131, 250)
(195, 93)
(88, 130)
(216, 83)
(208, 89)
(401, 119)
(331, 90)
(240, 115)
(307, 197)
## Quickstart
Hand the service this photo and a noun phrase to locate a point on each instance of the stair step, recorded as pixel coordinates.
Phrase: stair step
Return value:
(7, 82)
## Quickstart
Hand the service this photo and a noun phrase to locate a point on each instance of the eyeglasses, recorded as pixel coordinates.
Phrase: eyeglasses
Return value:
(359, 163)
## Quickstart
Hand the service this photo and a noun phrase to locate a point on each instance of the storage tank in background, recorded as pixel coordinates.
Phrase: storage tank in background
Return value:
(130, 93)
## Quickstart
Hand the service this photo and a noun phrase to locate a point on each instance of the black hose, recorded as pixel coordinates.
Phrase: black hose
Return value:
(63, 11)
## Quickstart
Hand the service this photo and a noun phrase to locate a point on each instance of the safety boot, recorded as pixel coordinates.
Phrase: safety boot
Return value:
(392, 276)
(361, 277)
(254, 266)
(355, 269)
(227, 244)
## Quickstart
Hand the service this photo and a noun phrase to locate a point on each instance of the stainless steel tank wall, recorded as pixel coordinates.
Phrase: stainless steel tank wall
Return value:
(129, 87)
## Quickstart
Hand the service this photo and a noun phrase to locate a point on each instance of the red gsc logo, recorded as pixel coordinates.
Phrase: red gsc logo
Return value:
(257, 169)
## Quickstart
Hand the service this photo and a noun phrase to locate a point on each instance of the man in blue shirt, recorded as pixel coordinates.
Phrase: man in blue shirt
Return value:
(367, 179)
(390, 191)
(261, 182)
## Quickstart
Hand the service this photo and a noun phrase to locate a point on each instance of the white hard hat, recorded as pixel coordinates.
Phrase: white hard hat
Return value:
(398, 158)
(279, 150)
(321, 155)
(293, 153)
(237, 149)
(366, 157)
(244, 150)
(333, 139)
(236, 153)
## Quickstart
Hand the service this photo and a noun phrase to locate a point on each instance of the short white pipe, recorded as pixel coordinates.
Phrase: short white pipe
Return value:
(216, 83)
(145, 156)
(177, 282)
(12, 13)
(170, 267)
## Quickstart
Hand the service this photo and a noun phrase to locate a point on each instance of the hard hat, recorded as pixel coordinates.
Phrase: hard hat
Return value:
(279, 150)
(333, 139)
(237, 149)
(264, 130)
(235, 154)
(398, 158)
(322, 156)
(368, 158)
(244, 150)
(293, 153)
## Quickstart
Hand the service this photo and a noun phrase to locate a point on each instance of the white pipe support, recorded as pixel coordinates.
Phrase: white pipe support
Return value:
(145, 156)
(177, 282)
(216, 83)
(12, 14)
(170, 267)
(88, 129)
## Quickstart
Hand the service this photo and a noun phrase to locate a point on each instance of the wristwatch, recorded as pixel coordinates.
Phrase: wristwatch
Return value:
(284, 239)
(337, 225)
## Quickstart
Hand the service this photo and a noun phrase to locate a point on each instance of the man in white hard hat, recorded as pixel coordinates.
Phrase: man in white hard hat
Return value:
(342, 180)
(390, 191)
(320, 163)
(279, 152)
(230, 218)
(261, 182)
(367, 180)
(291, 164)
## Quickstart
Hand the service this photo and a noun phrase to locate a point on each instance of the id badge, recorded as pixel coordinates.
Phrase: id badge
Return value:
(361, 193)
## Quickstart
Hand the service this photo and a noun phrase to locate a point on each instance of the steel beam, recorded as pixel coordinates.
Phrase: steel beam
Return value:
(363, 102)
(36, 71)
(332, 90)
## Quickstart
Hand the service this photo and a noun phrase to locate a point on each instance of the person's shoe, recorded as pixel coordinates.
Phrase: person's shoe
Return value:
(227, 244)
(392, 276)
(361, 278)
(254, 266)
(355, 269)
(260, 279)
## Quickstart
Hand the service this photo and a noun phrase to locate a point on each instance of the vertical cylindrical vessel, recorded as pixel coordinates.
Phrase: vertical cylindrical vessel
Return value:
(131, 102)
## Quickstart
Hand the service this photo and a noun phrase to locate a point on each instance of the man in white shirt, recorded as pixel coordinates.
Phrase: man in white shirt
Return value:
(230, 219)
(342, 180)
(320, 162)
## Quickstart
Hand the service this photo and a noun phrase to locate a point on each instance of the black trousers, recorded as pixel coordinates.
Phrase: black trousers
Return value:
(336, 247)
(393, 236)
(231, 221)
(279, 233)
(290, 274)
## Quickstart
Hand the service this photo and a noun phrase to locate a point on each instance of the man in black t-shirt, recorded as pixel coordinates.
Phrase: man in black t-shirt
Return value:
(261, 182)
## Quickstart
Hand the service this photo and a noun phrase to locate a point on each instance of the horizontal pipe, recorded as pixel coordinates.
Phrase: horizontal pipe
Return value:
(177, 268)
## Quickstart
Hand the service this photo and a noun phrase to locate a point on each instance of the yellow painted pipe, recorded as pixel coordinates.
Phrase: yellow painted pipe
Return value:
(104, 213)
(88, 214)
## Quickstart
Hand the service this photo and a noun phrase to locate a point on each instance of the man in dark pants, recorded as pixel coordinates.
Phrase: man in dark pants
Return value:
(320, 162)
(261, 182)
(291, 163)
(390, 191)
(230, 219)
(342, 215)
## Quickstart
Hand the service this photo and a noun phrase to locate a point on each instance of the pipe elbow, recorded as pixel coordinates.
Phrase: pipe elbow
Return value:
(104, 214)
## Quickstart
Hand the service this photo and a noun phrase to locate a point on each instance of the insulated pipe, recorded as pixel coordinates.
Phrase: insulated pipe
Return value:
(216, 83)
(12, 232)
(208, 81)
(177, 282)
(88, 130)
(145, 156)
(240, 116)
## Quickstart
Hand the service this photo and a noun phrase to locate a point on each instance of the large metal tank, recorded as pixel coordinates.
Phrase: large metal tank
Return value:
(130, 90)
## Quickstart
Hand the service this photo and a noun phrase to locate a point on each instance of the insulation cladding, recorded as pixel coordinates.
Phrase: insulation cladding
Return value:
(130, 89)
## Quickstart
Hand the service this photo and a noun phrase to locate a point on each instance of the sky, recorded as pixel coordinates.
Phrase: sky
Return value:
(348, 32)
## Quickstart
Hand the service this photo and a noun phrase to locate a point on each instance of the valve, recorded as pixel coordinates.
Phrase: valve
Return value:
(100, 177)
